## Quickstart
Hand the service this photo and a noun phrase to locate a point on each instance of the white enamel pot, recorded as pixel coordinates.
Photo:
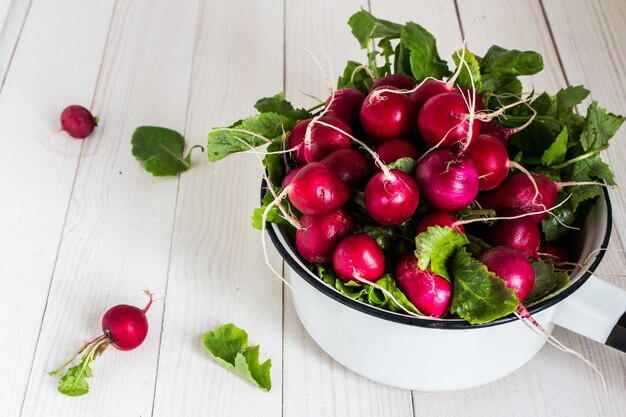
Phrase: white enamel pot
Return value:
(428, 354)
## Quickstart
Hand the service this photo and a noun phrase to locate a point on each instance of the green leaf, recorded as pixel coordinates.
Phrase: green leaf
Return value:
(408, 165)
(424, 58)
(366, 27)
(350, 289)
(378, 298)
(548, 282)
(590, 169)
(277, 104)
(159, 150)
(74, 382)
(501, 67)
(436, 247)
(555, 154)
(551, 225)
(273, 215)
(273, 162)
(228, 345)
(246, 134)
(355, 78)
(478, 295)
(569, 97)
(599, 127)
(465, 77)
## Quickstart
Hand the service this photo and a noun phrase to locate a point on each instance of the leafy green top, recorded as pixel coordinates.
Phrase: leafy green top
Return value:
(159, 150)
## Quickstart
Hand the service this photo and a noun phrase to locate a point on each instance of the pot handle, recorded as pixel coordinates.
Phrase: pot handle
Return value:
(596, 310)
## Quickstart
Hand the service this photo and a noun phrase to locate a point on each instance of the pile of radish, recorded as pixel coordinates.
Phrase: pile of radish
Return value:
(410, 175)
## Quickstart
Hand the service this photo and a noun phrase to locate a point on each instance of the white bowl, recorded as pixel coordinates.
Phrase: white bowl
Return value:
(429, 354)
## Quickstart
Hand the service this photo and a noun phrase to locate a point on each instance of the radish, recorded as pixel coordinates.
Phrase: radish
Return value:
(430, 293)
(391, 198)
(554, 254)
(358, 258)
(446, 120)
(295, 141)
(77, 121)
(448, 182)
(393, 149)
(522, 234)
(498, 131)
(350, 165)
(289, 176)
(321, 140)
(439, 218)
(319, 235)
(399, 81)
(512, 266)
(491, 160)
(125, 327)
(427, 89)
(345, 104)
(387, 114)
(316, 190)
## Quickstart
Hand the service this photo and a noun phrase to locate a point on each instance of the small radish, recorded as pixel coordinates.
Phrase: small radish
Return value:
(387, 114)
(430, 293)
(446, 120)
(554, 254)
(345, 104)
(324, 140)
(125, 327)
(319, 235)
(77, 121)
(358, 258)
(498, 131)
(439, 218)
(391, 198)
(289, 176)
(295, 141)
(350, 165)
(393, 149)
(399, 81)
(428, 89)
(491, 160)
(316, 190)
(447, 182)
(512, 266)
(522, 234)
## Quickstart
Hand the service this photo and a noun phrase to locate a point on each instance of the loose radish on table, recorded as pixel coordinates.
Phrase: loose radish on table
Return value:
(77, 121)
(359, 258)
(124, 327)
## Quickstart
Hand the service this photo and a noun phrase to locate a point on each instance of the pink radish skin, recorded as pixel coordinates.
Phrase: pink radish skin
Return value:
(498, 131)
(447, 182)
(391, 200)
(393, 149)
(345, 105)
(549, 252)
(325, 140)
(126, 326)
(387, 115)
(319, 235)
(295, 141)
(430, 293)
(289, 176)
(447, 115)
(428, 89)
(358, 256)
(350, 165)
(439, 218)
(522, 234)
(491, 160)
(517, 192)
(394, 80)
(513, 267)
(316, 190)
(77, 121)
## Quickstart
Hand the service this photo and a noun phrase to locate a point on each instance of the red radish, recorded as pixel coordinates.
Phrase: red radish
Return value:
(439, 218)
(447, 182)
(295, 141)
(77, 121)
(316, 190)
(324, 140)
(445, 119)
(350, 165)
(358, 258)
(554, 254)
(345, 104)
(393, 149)
(430, 293)
(518, 192)
(498, 131)
(491, 159)
(289, 176)
(386, 115)
(428, 89)
(319, 235)
(394, 80)
(391, 199)
(522, 234)
(513, 267)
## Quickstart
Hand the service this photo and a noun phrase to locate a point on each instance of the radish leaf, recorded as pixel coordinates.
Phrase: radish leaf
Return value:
(228, 345)
(424, 58)
(159, 150)
(436, 247)
(465, 77)
(546, 280)
(366, 27)
(405, 164)
(74, 382)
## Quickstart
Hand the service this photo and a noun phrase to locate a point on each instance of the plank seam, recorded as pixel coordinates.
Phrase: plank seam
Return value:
(19, 37)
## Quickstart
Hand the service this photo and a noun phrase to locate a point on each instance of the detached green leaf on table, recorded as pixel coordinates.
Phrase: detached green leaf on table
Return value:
(436, 247)
(228, 345)
(160, 150)
(74, 382)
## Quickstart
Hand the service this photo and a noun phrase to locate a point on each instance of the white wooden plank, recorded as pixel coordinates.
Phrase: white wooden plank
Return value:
(38, 168)
(314, 384)
(217, 273)
(118, 234)
(12, 16)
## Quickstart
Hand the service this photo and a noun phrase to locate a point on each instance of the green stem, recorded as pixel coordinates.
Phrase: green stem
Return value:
(188, 157)
(96, 340)
(579, 158)
(317, 106)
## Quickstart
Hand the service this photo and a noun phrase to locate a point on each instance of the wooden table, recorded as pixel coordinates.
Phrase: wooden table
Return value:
(84, 227)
